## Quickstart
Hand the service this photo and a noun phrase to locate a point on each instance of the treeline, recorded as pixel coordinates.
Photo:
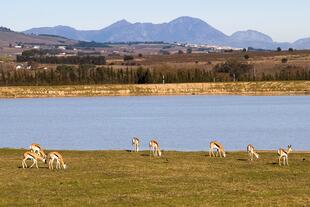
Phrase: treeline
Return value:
(74, 60)
(92, 44)
(91, 74)
(49, 57)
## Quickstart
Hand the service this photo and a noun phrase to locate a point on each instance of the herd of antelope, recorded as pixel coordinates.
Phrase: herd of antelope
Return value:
(36, 153)
(214, 146)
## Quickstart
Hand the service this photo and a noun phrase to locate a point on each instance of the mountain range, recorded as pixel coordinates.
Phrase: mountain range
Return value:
(182, 29)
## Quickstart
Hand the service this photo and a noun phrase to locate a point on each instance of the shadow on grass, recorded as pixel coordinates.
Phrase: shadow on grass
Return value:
(242, 159)
(40, 167)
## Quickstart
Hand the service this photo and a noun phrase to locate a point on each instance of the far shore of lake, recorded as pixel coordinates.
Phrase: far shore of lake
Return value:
(272, 88)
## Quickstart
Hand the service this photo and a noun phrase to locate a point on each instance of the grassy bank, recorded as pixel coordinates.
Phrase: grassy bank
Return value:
(120, 178)
(238, 88)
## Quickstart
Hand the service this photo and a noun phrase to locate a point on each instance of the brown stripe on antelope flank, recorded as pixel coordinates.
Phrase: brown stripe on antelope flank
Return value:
(30, 155)
(56, 155)
(217, 145)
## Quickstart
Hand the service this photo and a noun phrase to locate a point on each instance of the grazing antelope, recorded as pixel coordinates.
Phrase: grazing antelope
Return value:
(135, 144)
(283, 154)
(251, 152)
(36, 148)
(59, 161)
(214, 145)
(34, 157)
(154, 148)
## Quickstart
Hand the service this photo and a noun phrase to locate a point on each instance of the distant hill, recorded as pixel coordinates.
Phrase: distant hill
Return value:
(63, 31)
(182, 29)
(8, 36)
(302, 43)
(4, 29)
(251, 38)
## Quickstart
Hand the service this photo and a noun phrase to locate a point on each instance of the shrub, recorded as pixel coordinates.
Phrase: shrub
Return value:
(234, 68)
(128, 58)
(284, 60)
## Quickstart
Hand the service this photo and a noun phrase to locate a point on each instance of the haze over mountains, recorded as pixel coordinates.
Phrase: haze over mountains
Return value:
(182, 29)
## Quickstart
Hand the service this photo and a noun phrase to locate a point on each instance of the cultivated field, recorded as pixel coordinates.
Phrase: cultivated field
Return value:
(121, 178)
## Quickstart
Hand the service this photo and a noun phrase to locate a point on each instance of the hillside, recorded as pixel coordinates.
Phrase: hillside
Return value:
(9, 37)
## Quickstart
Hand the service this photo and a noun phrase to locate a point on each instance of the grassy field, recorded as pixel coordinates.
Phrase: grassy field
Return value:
(231, 88)
(121, 178)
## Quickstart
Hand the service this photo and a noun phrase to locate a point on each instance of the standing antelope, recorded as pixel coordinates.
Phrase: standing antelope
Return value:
(283, 154)
(214, 145)
(251, 152)
(135, 144)
(154, 148)
(36, 148)
(34, 157)
(59, 161)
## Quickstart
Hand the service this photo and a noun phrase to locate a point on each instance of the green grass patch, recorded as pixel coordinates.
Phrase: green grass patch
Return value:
(121, 178)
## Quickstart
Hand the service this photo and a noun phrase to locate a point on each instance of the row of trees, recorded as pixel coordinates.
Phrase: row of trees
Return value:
(76, 60)
(91, 74)
(50, 57)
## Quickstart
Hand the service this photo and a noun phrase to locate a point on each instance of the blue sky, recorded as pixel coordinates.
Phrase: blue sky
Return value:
(283, 20)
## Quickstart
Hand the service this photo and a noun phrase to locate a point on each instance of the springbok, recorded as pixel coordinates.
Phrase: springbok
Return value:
(135, 142)
(36, 148)
(154, 148)
(59, 161)
(214, 145)
(32, 156)
(283, 154)
(251, 152)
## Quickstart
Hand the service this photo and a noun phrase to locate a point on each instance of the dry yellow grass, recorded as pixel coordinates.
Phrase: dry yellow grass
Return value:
(237, 88)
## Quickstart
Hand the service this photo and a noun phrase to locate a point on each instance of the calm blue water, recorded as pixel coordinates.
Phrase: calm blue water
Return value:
(179, 123)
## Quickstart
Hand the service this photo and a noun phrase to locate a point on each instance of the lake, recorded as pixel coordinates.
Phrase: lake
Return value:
(186, 123)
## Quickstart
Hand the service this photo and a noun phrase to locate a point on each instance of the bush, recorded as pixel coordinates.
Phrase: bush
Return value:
(234, 68)
(246, 56)
(284, 60)
(128, 58)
